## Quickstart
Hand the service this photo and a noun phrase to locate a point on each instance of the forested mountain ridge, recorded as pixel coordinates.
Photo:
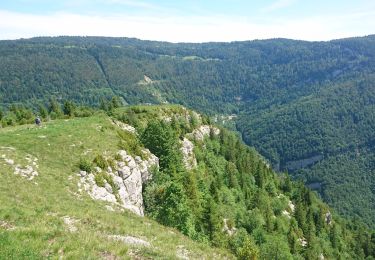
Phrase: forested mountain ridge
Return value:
(299, 103)
(244, 71)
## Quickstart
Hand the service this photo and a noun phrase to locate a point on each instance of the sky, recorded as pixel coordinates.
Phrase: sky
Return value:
(189, 20)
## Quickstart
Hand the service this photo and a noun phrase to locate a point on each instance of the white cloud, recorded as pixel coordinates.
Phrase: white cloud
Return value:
(278, 4)
(184, 29)
(132, 3)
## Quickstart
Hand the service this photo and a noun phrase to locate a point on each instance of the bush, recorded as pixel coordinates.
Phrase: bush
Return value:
(118, 157)
(99, 179)
(85, 165)
(83, 111)
(248, 250)
(101, 162)
(111, 163)
(130, 143)
(102, 177)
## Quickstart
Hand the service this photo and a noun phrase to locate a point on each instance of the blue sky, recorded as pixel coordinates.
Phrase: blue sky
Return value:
(189, 21)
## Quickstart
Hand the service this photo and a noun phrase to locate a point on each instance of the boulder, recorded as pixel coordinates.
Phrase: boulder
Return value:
(100, 193)
(122, 154)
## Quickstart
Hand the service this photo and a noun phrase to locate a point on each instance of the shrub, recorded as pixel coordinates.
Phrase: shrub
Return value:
(248, 250)
(111, 163)
(82, 111)
(101, 162)
(118, 157)
(85, 165)
(99, 179)
(130, 143)
(102, 177)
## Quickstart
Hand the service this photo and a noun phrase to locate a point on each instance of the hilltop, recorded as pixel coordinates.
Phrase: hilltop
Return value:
(79, 186)
(48, 216)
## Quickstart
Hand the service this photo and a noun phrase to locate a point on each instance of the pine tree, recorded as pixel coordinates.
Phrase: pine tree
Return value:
(174, 210)
(334, 236)
(103, 104)
(69, 108)
(260, 176)
(300, 215)
(231, 172)
(248, 250)
(54, 109)
(42, 111)
(162, 141)
(115, 102)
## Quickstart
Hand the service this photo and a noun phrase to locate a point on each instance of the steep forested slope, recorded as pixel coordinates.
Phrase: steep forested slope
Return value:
(221, 191)
(298, 102)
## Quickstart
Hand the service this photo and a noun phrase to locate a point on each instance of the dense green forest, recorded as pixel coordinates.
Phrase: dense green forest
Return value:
(232, 199)
(301, 104)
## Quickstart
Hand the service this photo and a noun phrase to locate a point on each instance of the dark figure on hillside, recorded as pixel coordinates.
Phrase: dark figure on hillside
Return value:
(38, 121)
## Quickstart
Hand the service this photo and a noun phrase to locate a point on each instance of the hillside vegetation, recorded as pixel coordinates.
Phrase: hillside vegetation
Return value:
(209, 186)
(299, 103)
(47, 217)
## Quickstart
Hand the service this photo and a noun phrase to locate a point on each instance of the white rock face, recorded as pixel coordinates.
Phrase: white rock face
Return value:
(100, 193)
(291, 206)
(128, 178)
(187, 149)
(203, 131)
(302, 241)
(328, 218)
(230, 231)
(286, 213)
(147, 79)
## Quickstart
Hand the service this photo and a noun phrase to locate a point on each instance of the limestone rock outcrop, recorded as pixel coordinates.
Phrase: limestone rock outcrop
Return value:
(125, 127)
(28, 171)
(230, 230)
(127, 178)
(203, 131)
(187, 149)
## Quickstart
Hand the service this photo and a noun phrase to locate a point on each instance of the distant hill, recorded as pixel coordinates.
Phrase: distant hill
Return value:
(301, 104)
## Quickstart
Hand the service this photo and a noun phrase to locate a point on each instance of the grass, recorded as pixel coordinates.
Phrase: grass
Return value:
(31, 212)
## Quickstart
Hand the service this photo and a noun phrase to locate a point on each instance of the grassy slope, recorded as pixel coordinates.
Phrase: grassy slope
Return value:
(35, 208)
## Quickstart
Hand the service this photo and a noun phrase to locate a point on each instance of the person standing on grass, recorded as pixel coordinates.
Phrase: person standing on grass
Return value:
(38, 121)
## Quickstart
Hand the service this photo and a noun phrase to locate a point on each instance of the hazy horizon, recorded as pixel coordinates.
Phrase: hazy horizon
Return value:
(188, 21)
(127, 37)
